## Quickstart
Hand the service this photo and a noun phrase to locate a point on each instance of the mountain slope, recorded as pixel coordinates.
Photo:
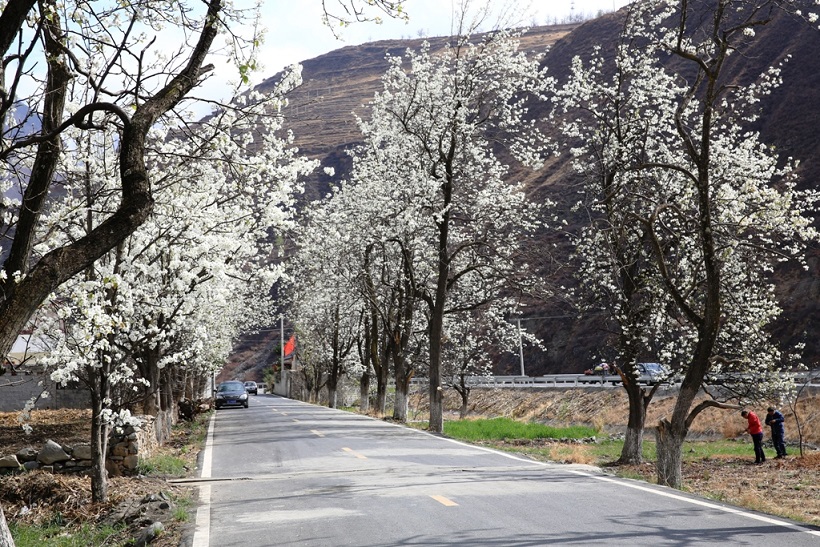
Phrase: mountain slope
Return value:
(337, 84)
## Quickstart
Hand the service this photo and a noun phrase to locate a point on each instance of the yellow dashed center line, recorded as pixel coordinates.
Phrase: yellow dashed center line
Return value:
(317, 433)
(445, 501)
(350, 451)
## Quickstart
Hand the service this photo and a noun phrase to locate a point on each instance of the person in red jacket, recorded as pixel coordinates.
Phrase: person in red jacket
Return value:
(756, 431)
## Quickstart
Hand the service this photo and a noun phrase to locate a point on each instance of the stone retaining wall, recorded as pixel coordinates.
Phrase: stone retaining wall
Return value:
(125, 449)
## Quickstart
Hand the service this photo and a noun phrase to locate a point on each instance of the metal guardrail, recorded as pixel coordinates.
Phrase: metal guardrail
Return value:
(552, 380)
(582, 380)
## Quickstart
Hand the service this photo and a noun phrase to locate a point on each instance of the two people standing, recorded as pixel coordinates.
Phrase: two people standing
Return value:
(774, 419)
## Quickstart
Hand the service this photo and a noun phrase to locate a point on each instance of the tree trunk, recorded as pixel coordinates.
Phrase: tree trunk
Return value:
(167, 402)
(669, 446)
(336, 371)
(5, 535)
(364, 393)
(435, 392)
(464, 392)
(400, 406)
(382, 378)
(151, 372)
(400, 374)
(331, 394)
(632, 451)
(99, 440)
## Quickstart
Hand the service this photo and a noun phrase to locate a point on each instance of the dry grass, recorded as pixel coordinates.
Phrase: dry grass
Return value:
(573, 454)
(607, 410)
(35, 498)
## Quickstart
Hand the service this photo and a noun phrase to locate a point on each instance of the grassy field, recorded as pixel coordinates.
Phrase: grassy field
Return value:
(517, 436)
(718, 469)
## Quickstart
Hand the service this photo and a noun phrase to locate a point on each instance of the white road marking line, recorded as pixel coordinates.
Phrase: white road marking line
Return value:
(202, 532)
(656, 491)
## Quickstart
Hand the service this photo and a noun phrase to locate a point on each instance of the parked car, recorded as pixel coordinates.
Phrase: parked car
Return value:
(231, 393)
(652, 373)
(251, 387)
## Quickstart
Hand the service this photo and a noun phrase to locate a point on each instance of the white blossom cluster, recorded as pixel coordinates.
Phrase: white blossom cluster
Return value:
(170, 301)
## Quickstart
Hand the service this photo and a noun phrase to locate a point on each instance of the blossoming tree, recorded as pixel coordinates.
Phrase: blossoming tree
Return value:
(691, 211)
(91, 68)
(439, 127)
(168, 302)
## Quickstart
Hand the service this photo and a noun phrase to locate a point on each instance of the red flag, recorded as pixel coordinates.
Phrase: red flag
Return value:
(290, 346)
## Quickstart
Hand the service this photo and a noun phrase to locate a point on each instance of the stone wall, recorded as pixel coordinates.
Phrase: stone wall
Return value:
(125, 449)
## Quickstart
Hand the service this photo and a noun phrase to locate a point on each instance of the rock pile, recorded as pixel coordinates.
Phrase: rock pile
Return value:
(52, 457)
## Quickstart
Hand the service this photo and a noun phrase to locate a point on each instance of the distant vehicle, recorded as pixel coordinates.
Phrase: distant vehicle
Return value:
(251, 387)
(231, 393)
(653, 373)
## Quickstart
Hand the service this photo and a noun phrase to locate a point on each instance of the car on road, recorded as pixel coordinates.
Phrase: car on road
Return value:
(231, 393)
(251, 387)
(653, 373)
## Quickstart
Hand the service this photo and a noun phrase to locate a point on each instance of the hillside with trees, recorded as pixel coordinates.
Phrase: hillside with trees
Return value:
(342, 82)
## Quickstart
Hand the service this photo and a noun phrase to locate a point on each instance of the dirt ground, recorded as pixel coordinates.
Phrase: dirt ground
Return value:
(39, 498)
(789, 488)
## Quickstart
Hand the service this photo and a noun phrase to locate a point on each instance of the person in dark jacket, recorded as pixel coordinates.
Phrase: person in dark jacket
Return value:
(774, 419)
(756, 431)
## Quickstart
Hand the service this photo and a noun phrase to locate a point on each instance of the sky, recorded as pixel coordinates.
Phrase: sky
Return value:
(295, 32)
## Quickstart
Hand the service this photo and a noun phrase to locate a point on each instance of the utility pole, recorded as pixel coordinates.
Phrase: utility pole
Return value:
(521, 347)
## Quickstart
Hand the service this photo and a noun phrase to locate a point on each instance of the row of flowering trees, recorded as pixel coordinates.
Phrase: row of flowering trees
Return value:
(426, 247)
(147, 322)
(135, 240)
(427, 235)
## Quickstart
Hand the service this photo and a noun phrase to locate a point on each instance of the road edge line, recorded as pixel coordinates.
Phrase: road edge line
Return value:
(202, 532)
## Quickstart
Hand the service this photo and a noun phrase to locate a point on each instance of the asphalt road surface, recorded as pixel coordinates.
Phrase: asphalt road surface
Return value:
(283, 472)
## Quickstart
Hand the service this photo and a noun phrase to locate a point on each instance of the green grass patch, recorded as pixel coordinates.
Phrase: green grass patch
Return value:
(162, 465)
(183, 508)
(54, 535)
(198, 428)
(500, 429)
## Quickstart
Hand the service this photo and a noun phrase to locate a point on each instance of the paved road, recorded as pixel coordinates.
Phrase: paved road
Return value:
(287, 473)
